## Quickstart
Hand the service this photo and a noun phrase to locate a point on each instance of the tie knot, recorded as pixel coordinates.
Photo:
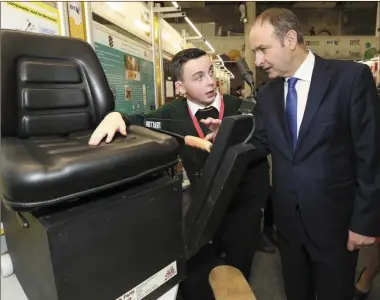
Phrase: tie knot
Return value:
(210, 108)
(292, 82)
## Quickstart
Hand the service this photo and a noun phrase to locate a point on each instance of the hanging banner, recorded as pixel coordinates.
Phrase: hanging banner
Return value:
(129, 70)
(77, 25)
(30, 16)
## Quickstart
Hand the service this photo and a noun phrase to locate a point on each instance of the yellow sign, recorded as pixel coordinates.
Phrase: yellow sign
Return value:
(77, 24)
(30, 16)
(21, 6)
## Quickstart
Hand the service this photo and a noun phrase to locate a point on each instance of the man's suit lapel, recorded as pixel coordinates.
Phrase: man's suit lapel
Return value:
(279, 120)
(320, 81)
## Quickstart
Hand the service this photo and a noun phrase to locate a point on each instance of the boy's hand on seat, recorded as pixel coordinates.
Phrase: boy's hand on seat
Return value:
(111, 124)
(213, 125)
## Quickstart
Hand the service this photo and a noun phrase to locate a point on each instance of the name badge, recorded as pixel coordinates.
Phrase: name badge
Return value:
(152, 124)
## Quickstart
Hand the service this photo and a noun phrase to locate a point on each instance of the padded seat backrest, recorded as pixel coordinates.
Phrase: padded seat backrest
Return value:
(51, 85)
(233, 131)
(214, 208)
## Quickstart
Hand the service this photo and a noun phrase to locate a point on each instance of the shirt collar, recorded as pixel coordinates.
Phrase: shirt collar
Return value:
(194, 107)
(305, 70)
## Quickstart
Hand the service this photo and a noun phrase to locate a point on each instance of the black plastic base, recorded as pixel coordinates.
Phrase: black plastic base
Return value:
(102, 248)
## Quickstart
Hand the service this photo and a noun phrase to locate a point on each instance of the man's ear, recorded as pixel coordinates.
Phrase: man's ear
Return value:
(180, 88)
(291, 39)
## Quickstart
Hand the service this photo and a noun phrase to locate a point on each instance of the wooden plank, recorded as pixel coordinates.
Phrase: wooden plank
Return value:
(228, 283)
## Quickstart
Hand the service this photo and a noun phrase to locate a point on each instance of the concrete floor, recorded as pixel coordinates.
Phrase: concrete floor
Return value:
(266, 279)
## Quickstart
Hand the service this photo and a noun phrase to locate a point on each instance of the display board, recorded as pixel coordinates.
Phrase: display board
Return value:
(330, 47)
(30, 16)
(128, 68)
(343, 47)
(135, 18)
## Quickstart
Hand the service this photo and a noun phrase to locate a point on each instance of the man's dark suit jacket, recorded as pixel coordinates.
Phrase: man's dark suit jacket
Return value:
(333, 175)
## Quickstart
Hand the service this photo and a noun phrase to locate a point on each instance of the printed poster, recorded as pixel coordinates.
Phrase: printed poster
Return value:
(30, 16)
(76, 20)
(129, 70)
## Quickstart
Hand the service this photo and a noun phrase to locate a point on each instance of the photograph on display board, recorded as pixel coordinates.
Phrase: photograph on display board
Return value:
(128, 93)
(132, 68)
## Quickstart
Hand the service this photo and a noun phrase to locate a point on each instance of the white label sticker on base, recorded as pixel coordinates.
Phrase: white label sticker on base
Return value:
(151, 284)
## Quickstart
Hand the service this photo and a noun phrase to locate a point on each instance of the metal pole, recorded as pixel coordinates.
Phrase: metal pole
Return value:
(377, 29)
(248, 55)
(161, 62)
(87, 10)
(184, 40)
(151, 6)
(377, 33)
(157, 54)
(63, 18)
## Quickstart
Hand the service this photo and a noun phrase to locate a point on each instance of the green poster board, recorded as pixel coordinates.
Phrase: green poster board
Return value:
(129, 70)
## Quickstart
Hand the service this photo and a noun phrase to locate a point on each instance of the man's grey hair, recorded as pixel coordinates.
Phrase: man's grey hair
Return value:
(283, 20)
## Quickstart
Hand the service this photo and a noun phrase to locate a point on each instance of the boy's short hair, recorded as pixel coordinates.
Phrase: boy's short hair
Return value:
(181, 58)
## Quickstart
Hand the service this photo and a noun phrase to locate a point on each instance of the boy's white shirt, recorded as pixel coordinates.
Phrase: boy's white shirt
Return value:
(194, 107)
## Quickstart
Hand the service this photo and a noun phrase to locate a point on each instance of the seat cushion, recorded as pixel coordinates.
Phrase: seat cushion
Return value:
(51, 85)
(43, 171)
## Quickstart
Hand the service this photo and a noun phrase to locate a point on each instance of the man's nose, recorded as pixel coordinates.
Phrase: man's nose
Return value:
(259, 59)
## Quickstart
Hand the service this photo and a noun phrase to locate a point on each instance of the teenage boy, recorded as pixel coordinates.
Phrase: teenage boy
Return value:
(238, 235)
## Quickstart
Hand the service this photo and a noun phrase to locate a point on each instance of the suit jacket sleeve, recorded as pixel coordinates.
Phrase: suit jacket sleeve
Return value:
(260, 137)
(365, 133)
(138, 119)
